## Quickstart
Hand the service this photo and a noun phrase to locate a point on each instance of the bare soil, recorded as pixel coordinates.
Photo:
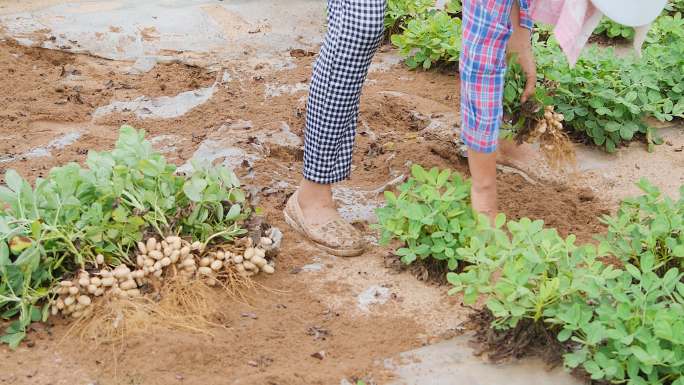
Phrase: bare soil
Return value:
(305, 327)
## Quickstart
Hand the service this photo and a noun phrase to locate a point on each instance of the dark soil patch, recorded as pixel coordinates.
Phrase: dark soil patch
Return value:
(527, 339)
(427, 270)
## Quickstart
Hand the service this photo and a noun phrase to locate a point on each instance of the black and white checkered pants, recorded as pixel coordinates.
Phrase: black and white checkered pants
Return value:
(355, 29)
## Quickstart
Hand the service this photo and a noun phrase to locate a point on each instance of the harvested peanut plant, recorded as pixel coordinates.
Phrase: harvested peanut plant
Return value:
(88, 224)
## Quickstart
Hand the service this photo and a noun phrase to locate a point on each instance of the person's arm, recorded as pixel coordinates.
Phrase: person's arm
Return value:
(520, 44)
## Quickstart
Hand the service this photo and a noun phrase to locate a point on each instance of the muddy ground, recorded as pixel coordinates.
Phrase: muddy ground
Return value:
(57, 106)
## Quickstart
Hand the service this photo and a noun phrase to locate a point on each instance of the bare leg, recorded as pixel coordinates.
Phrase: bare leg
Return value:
(317, 203)
(483, 191)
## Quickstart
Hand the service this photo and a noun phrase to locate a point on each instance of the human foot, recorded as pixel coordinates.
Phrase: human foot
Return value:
(521, 156)
(316, 218)
(526, 158)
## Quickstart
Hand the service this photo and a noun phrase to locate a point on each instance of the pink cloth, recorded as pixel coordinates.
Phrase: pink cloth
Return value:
(574, 21)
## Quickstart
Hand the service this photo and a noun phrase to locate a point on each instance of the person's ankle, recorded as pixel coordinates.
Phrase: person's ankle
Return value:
(313, 196)
(484, 199)
(316, 204)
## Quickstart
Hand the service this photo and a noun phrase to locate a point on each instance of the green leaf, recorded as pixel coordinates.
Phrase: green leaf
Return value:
(4, 255)
(500, 220)
(13, 339)
(641, 355)
(575, 359)
(36, 314)
(627, 131)
(497, 308)
(194, 188)
(390, 197)
(593, 369)
(418, 172)
(443, 178)
(13, 180)
(565, 335)
(233, 213)
(647, 262)
(678, 251)
(631, 269)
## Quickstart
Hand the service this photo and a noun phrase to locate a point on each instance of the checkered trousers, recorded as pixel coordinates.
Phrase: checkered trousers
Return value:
(355, 29)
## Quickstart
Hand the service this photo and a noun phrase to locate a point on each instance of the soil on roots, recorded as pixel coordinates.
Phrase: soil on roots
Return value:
(527, 338)
(427, 270)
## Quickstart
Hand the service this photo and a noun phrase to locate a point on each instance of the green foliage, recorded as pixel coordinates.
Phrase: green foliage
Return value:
(454, 8)
(431, 216)
(65, 220)
(603, 96)
(613, 30)
(634, 331)
(621, 324)
(629, 328)
(400, 11)
(662, 67)
(674, 6)
(430, 39)
(649, 224)
(617, 306)
(607, 98)
(535, 269)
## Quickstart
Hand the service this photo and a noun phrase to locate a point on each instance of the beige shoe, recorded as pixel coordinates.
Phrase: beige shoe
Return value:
(337, 237)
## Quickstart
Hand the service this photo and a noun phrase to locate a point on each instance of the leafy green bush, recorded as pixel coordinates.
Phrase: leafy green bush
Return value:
(617, 307)
(608, 98)
(650, 224)
(65, 220)
(613, 30)
(431, 216)
(400, 11)
(454, 8)
(603, 96)
(628, 329)
(430, 39)
(535, 270)
(674, 6)
(621, 319)
(663, 67)
(634, 331)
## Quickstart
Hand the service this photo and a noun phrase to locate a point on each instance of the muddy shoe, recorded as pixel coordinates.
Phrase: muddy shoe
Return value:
(337, 237)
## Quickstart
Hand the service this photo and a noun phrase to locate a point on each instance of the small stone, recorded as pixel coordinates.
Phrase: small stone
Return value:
(320, 355)
(249, 315)
(252, 363)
